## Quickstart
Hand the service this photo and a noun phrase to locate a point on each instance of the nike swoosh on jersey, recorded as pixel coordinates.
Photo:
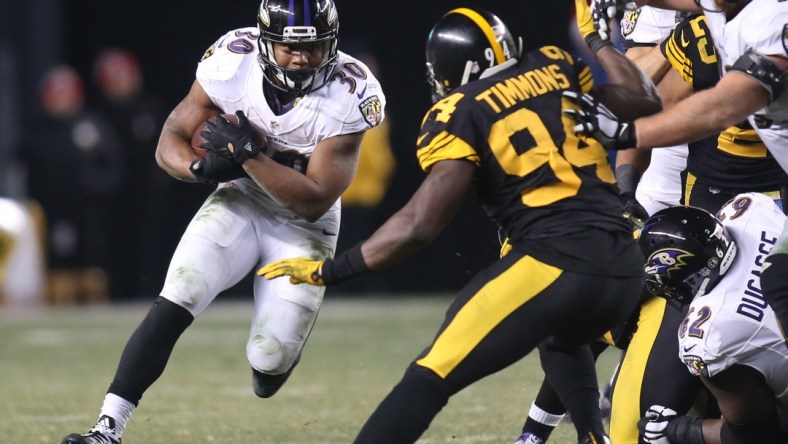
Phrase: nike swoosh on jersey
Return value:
(689, 349)
(361, 94)
(328, 233)
(684, 42)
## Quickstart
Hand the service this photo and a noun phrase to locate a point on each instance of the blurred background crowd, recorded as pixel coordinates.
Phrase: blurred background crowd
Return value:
(85, 86)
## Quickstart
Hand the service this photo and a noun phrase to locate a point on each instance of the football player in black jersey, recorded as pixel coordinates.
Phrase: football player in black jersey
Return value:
(736, 161)
(574, 268)
(719, 168)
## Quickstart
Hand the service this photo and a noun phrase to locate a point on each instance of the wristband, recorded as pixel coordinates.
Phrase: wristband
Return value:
(627, 138)
(627, 177)
(349, 264)
(685, 429)
(595, 42)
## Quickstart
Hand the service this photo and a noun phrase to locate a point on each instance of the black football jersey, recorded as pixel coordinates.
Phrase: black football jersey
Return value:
(535, 178)
(737, 159)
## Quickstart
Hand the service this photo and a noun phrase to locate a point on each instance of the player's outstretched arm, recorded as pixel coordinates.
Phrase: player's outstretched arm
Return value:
(735, 97)
(406, 232)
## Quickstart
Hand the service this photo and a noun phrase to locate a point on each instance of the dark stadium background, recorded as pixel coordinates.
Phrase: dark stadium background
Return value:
(170, 36)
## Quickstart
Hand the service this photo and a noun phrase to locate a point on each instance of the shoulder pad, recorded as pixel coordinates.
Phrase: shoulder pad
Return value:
(227, 54)
(764, 71)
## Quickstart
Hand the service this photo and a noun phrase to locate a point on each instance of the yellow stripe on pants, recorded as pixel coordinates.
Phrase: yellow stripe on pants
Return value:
(485, 310)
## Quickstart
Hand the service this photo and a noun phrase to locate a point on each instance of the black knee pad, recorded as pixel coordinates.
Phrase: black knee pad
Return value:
(426, 380)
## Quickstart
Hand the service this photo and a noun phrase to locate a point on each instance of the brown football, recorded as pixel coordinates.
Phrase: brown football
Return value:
(197, 138)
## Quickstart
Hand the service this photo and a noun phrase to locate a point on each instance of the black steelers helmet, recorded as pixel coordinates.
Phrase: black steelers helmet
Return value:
(462, 45)
(307, 21)
(687, 252)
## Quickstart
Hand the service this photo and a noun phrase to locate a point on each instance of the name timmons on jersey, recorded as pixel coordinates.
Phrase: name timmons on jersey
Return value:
(753, 308)
(508, 93)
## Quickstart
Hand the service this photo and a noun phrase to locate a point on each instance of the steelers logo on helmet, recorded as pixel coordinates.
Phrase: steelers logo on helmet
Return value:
(463, 45)
(287, 22)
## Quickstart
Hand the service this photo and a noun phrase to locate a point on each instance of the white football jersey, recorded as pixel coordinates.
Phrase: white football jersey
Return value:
(762, 26)
(648, 25)
(660, 186)
(350, 102)
(732, 324)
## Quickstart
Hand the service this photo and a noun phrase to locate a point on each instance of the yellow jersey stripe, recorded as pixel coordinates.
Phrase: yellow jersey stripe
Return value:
(486, 29)
(586, 79)
(446, 146)
(679, 60)
(485, 310)
(742, 143)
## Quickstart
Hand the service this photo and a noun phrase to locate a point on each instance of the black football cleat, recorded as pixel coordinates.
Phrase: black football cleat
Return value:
(103, 432)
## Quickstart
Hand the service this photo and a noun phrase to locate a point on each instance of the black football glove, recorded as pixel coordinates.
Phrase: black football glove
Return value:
(633, 210)
(214, 168)
(228, 139)
(596, 120)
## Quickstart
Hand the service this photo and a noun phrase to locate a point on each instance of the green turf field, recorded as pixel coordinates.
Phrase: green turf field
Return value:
(56, 364)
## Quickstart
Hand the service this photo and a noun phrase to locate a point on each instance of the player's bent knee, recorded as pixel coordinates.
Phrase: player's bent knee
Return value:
(268, 355)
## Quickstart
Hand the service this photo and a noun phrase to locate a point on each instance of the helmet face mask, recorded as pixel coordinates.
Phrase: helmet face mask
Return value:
(312, 22)
(462, 46)
(687, 253)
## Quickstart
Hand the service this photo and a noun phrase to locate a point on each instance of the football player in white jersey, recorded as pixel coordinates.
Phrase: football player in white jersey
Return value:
(753, 47)
(660, 185)
(730, 337)
(276, 198)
